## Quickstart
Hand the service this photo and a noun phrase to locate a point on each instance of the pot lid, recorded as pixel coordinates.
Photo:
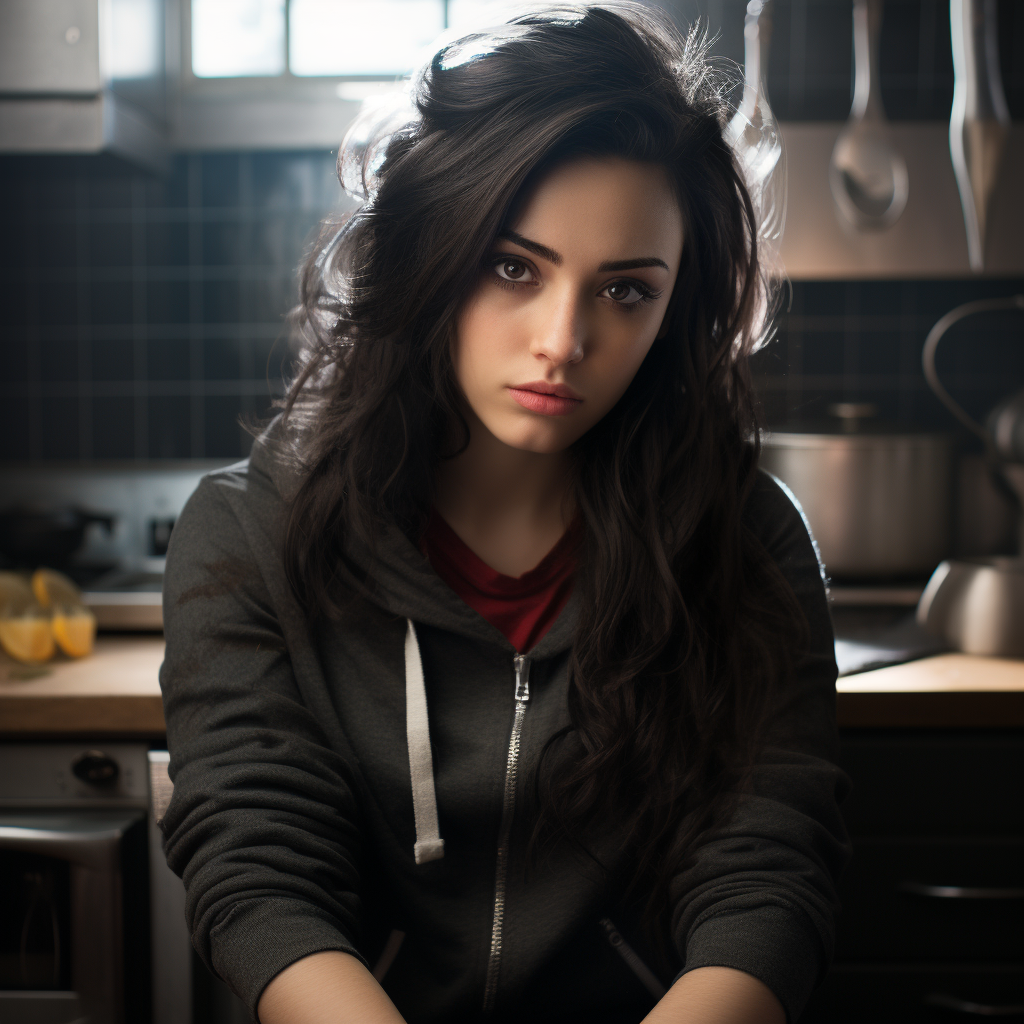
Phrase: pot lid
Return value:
(849, 419)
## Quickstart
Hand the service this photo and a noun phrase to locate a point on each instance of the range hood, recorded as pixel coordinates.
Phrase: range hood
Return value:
(84, 76)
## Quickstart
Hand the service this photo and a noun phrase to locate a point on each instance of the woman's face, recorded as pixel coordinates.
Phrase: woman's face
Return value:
(569, 302)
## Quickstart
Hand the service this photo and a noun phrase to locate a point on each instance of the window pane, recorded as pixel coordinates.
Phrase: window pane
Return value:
(354, 37)
(467, 15)
(237, 37)
(137, 37)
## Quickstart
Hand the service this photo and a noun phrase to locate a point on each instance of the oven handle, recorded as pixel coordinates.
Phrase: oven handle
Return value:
(90, 843)
(960, 892)
(945, 1001)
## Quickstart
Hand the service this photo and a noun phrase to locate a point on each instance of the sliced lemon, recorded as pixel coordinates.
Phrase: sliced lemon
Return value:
(53, 589)
(75, 631)
(15, 594)
(27, 637)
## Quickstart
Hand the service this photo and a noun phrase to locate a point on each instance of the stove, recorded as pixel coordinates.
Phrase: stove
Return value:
(127, 601)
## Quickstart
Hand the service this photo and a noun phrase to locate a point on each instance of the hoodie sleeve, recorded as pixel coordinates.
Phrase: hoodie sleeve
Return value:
(263, 824)
(760, 896)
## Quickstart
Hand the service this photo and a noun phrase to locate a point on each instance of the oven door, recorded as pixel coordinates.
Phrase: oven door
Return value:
(62, 932)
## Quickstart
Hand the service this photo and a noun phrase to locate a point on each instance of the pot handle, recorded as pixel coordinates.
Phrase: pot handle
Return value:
(931, 343)
(933, 607)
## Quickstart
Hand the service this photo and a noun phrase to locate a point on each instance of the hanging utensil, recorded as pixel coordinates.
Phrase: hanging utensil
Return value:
(980, 121)
(753, 131)
(867, 175)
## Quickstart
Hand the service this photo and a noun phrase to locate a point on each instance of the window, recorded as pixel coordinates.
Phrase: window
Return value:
(235, 38)
(323, 38)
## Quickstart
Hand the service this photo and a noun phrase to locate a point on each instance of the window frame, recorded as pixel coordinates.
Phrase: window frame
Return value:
(285, 85)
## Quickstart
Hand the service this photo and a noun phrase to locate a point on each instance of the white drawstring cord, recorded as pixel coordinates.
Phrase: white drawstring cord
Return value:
(429, 844)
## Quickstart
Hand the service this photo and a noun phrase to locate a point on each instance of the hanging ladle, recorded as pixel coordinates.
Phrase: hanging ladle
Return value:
(867, 175)
(753, 131)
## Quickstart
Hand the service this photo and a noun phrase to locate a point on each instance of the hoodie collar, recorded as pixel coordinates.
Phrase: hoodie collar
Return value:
(403, 581)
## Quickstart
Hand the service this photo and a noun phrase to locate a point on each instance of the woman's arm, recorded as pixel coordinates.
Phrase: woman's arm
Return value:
(327, 988)
(716, 995)
(264, 822)
(759, 894)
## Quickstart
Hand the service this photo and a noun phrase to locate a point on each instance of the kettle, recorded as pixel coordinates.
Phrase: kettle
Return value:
(977, 605)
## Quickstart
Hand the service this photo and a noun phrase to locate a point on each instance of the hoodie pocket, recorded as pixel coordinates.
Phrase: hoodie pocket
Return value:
(644, 974)
(586, 980)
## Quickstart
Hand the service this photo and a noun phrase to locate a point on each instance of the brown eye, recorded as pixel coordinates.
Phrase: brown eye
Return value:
(513, 270)
(619, 291)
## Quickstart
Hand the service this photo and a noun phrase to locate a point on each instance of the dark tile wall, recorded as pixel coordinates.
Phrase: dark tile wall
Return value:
(861, 341)
(142, 317)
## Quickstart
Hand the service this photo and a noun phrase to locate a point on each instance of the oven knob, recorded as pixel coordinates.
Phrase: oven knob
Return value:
(96, 767)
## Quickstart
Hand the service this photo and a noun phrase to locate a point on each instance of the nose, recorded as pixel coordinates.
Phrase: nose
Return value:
(561, 331)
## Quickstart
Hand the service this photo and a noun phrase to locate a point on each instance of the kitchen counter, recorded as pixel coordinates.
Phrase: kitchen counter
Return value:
(958, 691)
(115, 692)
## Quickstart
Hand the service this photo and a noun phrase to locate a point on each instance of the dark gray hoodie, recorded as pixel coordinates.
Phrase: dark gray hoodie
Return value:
(318, 805)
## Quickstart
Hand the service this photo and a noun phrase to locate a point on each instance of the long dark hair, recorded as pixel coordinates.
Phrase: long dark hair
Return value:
(685, 624)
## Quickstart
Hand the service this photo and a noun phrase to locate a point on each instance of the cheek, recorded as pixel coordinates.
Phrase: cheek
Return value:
(467, 347)
(622, 359)
(483, 336)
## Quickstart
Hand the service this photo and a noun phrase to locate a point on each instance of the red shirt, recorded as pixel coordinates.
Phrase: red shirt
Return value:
(523, 607)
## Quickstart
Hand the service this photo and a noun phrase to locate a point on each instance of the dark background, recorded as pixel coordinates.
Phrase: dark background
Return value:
(142, 316)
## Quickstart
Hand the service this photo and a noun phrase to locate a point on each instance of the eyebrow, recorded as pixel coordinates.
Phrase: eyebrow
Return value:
(556, 258)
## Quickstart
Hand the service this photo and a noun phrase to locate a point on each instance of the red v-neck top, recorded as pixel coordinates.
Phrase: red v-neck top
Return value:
(523, 607)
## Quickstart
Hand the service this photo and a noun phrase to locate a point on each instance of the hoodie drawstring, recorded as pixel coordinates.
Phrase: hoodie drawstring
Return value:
(429, 844)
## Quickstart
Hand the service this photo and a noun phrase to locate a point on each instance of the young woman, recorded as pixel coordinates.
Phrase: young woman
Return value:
(499, 682)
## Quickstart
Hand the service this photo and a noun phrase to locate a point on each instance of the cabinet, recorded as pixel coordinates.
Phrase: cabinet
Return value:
(84, 76)
(933, 899)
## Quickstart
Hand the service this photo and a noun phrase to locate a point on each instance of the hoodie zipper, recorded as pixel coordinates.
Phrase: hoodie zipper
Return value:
(521, 664)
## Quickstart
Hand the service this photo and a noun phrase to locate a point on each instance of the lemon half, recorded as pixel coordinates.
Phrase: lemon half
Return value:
(15, 594)
(75, 631)
(53, 589)
(27, 638)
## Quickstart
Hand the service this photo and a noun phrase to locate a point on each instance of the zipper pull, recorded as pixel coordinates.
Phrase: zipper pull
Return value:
(522, 666)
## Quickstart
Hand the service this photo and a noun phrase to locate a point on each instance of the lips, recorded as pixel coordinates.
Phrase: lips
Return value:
(546, 399)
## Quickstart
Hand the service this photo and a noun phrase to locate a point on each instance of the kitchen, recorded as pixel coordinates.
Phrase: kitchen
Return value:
(146, 285)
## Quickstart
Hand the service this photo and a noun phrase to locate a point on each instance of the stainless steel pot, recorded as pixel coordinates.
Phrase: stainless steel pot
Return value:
(977, 605)
(879, 503)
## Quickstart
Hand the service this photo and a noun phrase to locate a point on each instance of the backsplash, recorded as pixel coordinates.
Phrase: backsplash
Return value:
(143, 316)
(861, 341)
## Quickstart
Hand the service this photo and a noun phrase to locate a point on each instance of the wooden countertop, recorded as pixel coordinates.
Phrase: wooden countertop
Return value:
(115, 691)
(945, 691)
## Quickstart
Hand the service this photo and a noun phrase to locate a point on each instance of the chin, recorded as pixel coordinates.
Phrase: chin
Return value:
(540, 439)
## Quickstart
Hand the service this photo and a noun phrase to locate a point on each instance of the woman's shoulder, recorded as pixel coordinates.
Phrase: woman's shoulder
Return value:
(228, 539)
(265, 481)
(233, 504)
(773, 512)
(774, 516)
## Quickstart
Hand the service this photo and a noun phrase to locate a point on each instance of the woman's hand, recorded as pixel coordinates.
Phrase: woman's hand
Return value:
(717, 995)
(326, 988)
